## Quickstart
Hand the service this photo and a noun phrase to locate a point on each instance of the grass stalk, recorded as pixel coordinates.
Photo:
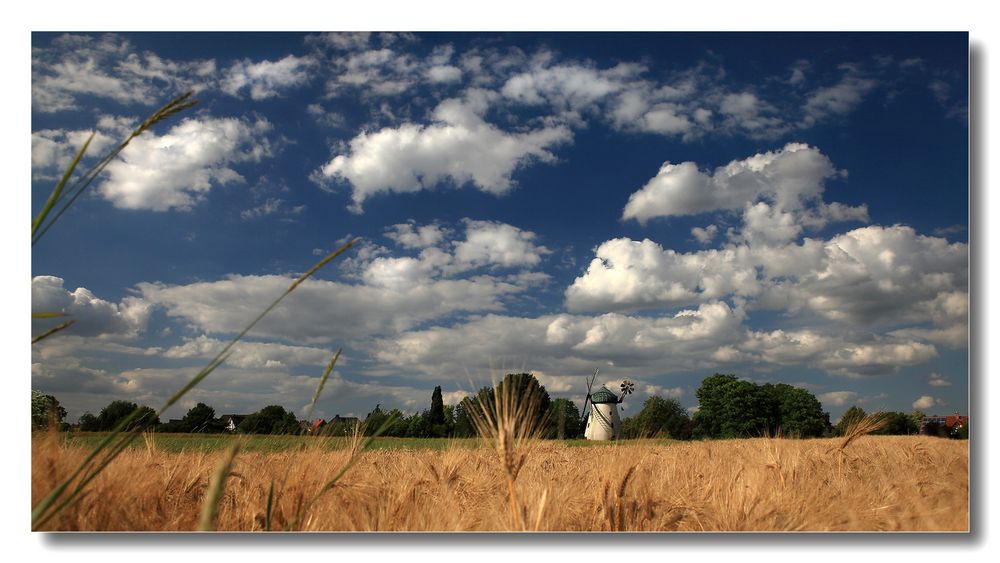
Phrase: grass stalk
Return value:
(322, 382)
(863, 426)
(210, 506)
(358, 447)
(268, 507)
(66, 196)
(510, 424)
(58, 190)
(120, 436)
(53, 330)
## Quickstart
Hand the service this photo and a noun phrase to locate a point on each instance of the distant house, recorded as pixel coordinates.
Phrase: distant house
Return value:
(341, 425)
(231, 421)
(315, 426)
(951, 423)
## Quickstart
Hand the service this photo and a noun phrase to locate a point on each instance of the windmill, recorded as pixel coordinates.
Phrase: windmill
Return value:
(603, 422)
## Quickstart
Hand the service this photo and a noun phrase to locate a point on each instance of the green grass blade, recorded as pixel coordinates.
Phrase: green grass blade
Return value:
(267, 509)
(47, 315)
(52, 331)
(210, 506)
(58, 190)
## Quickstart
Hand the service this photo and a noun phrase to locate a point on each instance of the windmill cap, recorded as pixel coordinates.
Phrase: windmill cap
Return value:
(603, 395)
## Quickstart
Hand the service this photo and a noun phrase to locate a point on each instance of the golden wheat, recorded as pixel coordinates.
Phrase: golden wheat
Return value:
(880, 483)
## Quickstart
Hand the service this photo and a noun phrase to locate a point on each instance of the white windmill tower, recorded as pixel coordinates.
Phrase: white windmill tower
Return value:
(603, 423)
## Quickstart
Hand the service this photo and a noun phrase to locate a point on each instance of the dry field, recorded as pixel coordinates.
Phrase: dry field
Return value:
(876, 483)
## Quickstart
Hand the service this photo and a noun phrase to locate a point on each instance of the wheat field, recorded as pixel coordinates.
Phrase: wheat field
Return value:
(876, 483)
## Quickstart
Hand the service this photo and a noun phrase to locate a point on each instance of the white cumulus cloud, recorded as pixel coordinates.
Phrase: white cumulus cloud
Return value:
(926, 402)
(92, 315)
(267, 79)
(107, 67)
(177, 169)
(459, 147)
(788, 179)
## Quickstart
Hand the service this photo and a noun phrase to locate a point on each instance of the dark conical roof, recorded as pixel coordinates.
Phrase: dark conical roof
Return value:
(603, 395)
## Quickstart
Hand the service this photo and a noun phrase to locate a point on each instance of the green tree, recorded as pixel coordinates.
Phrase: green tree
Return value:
(272, 419)
(375, 419)
(565, 422)
(89, 423)
(438, 418)
(200, 418)
(448, 427)
(731, 408)
(418, 425)
(147, 418)
(437, 407)
(711, 401)
(851, 416)
(112, 414)
(896, 424)
(795, 412)
(914, 419)
(659, 417)
(463, 424)
(399, 427)
(522, 384)
(45, 411)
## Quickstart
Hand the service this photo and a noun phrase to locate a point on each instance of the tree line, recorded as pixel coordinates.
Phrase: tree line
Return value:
(728, 407)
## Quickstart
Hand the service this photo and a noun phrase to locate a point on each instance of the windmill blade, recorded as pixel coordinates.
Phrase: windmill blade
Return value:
(590, 383)
(590, 386)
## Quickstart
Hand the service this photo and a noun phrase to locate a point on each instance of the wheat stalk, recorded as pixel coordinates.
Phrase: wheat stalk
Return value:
(863, 426)
(511, 426)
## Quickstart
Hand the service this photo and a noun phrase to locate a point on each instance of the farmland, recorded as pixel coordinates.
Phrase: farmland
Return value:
(876, 483)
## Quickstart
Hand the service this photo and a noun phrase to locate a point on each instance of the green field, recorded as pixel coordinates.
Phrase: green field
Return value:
(175, 443)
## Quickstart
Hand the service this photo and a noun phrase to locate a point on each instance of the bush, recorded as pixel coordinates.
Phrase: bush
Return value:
(272, 419)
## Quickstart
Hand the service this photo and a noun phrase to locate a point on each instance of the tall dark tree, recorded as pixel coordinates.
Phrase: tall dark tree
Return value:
(659, 417)
(435, 417)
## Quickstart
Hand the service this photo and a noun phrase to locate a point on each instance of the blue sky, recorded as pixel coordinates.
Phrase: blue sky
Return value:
(663, 206)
